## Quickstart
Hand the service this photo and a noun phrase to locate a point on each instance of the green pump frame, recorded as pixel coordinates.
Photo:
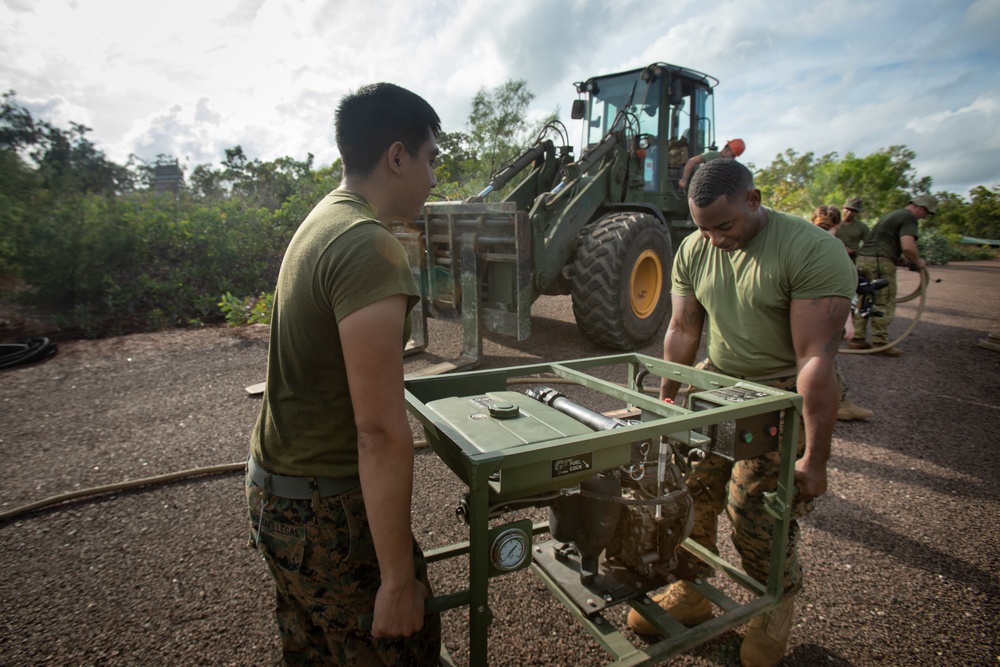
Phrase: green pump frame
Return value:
(526, 467)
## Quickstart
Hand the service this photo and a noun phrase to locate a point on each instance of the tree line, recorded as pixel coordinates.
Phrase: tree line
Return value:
(95, 245)
(886, 180)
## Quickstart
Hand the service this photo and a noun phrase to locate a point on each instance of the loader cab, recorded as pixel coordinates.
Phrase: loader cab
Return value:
(668, 110)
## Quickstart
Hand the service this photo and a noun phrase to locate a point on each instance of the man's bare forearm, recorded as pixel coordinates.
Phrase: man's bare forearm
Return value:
(817, 383)
(386, 469)
(681, 348)
(680, 344)
(385, 465)
(911, 252)
(817, 325)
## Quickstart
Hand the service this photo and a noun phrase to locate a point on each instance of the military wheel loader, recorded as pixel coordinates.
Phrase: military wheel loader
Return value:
(601, 228)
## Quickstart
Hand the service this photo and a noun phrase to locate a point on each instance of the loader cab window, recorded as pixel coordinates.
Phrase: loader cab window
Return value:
(680, 120)
(704, 104)
(690, 123)
(613, 95)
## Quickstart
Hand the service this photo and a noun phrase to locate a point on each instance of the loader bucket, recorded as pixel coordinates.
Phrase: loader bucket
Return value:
(472, 262)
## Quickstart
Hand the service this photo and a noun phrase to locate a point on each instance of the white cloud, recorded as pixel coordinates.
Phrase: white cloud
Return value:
(960, 149)
(984, 109)
(193, 78)
(203, 114)
(57, 110)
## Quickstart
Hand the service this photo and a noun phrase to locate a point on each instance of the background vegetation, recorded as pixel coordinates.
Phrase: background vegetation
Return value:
(885, 180)
(96, 245)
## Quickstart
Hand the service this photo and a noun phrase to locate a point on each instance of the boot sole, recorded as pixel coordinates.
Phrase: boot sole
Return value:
(990, 344)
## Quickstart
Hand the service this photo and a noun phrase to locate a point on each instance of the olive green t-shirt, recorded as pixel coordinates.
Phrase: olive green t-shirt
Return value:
(339, 260)
(747, 293)
(883, 240)
(853, 234)
(706, 157)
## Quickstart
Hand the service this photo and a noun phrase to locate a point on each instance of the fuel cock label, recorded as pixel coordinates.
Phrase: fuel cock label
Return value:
(571, 465)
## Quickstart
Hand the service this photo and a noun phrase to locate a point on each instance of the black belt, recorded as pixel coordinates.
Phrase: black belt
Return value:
(299, 488)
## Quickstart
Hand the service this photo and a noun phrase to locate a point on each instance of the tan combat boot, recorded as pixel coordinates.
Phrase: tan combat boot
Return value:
(848, 411)
(891, 352)
(767, 636)
(682, 601)
(859, 344)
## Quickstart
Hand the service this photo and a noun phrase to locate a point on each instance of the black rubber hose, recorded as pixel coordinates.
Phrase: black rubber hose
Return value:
(32, 349)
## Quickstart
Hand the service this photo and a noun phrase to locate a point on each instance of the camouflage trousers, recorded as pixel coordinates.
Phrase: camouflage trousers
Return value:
(885, 300)
(841, 382)
(322, 558)
(718, 484)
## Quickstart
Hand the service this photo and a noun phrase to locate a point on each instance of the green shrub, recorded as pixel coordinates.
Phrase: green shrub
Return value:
(935, 247)
(111, 265)
(938, 248)
(249, 310)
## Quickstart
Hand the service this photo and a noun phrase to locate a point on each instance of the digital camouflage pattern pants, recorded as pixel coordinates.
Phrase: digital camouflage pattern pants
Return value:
(322, 558)
(719, 484)
(873, 268)
(841, 382)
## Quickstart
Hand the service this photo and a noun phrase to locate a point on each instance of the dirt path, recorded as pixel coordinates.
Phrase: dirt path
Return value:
(902, 557)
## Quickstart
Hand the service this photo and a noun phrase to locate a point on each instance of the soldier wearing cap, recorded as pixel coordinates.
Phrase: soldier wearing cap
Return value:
(732, 150)
(891, 240)
(852, 232)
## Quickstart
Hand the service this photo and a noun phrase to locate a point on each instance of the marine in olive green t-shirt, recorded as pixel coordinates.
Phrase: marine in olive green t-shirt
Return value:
(852, 235)
(883, 240)
(706, 157)
(340, 259)
(747, 293)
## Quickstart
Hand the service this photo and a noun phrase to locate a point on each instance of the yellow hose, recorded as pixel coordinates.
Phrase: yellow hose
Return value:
(921, 291)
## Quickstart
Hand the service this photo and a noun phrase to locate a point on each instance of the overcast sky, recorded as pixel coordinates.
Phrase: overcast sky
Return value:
(190, 78)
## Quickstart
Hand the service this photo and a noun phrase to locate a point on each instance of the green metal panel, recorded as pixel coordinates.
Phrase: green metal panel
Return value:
(526, 468)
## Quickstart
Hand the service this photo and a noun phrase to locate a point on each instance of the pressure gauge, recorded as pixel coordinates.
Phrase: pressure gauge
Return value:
(510, 549)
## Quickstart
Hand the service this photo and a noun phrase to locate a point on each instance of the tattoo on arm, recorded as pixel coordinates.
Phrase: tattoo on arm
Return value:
(693, 314)
(836, 315)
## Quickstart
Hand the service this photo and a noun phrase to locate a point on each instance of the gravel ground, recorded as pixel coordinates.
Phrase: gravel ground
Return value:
(902, 556)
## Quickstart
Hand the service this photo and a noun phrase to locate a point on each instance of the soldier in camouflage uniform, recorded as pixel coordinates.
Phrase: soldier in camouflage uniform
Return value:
(330, 474)
(324, 590)
(891, 240)
(720, 484)
(773, 292)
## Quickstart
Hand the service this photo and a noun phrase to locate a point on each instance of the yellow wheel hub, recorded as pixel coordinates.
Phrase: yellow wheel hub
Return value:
(645, 284)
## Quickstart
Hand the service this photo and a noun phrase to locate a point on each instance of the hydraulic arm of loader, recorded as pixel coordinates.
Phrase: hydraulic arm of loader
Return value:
(483, 264)
(558, 217)
(543, 149)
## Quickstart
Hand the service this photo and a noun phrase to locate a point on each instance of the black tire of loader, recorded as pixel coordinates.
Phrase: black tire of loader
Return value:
(608, 252)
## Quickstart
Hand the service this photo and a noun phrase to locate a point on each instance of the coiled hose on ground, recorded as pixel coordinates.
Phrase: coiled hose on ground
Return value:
(921, 292)
(32, 349)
